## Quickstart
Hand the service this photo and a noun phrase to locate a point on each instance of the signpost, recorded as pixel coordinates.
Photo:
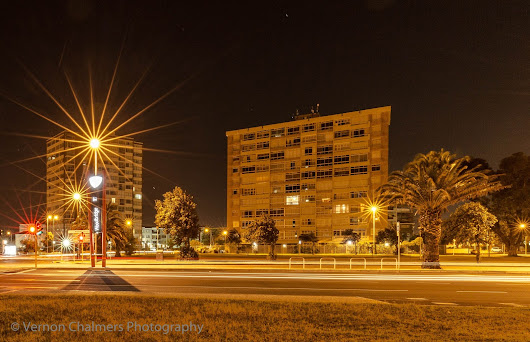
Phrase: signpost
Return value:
(398, 245)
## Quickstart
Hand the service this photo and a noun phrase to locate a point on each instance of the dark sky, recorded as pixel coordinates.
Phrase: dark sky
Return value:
(455, 73)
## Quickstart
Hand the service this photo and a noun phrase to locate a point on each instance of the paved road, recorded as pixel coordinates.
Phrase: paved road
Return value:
(439, 289)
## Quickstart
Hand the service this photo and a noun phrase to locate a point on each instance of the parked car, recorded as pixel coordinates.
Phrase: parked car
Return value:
(496, 250)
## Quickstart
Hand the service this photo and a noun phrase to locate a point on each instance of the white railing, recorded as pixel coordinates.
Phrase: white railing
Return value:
(395, 259)
(303, 261)
(358, 259)
(334, 262)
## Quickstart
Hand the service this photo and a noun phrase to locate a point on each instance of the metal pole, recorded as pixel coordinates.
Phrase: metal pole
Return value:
(35, 249)
(398, 245)
(454, 246)
(373, 230)
(104, 224)
(46, 239)
(91, 233)
(525, 245)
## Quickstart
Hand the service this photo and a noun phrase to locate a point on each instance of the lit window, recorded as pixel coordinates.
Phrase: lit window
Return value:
(113, 200)
(292, 200)
(138, 196)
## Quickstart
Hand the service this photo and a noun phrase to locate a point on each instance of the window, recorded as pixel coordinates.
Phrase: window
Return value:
(235, 170)
(308, 151)
(249, 136)
(324, 174)
(325, 149)
(292, 200)
(342, 134)
(293, 130)
(292, 176)
(262, 134)
(358, 194)
(262, 145)
(248, 213)
(263, 168)
(279, 155)
(308, 163)
(345, 159)
(342, 208)
(113, 200)
(248, 192)
(248, 169)
(358, 133)
(341, 172)
(308, 128)
(138, 196)
(308, 222)
(357, 158)
(309, 199)
(354, 221)
(276, 133)
(292, 142)
(309, 186)
(342, 122)
(326, 125)
(355, 209)
(308, 175)
(248, 147)
(234, 192)
(276, 189)
(324, 161)
(292, 188)
(263, 156)
(260, 212)
(293, 165)
(235, 159)
(359, 170)
(376, 167)
(277, 212)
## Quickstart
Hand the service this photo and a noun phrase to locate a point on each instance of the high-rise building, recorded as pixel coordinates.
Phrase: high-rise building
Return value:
(123, 177)
(313, 174)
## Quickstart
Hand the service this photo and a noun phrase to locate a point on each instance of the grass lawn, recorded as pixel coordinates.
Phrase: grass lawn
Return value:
(254, 320)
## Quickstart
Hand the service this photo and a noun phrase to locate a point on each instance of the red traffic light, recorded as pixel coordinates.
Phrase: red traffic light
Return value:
(32, 229)
(81, 237)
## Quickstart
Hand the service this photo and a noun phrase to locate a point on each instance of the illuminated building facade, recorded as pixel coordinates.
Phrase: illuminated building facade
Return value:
(313, 174)
(123, 177)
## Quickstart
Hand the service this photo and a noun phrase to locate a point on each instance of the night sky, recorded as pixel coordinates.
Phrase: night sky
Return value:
(455, 73)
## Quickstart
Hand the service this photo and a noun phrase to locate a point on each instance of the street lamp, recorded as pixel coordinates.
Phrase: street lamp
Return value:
(225, 233)
(206, 230)
(33, 231)
(374, 210)
(523, 226)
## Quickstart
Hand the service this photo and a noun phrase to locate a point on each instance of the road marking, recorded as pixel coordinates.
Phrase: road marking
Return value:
(514, 305)
(482, 291)
(417, 298)
(442, 303)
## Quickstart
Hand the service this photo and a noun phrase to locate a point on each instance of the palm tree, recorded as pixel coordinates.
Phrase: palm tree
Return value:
(115, 228)
(430, 184)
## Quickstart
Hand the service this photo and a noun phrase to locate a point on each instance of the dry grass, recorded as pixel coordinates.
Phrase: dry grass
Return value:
(243, 320)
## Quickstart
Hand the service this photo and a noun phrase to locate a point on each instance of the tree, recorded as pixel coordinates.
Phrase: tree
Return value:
(471, 223)
(310, 237)
(511, 205)
(388, 235)
(177, 214)
(349, 237)
(263, 230)
(48, 241)
(28, 244)
(430, 184)
(234, 238)
(116, 228)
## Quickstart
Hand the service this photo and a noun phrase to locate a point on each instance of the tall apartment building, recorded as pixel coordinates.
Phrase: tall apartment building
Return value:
(123, 183)
(313, 174)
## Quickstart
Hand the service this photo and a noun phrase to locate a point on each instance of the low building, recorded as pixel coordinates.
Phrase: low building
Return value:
(154, 238)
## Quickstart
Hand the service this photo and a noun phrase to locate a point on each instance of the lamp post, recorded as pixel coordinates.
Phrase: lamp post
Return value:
(98, 222)
(225, 233)
(33, 231)
(398, 245)
(206, 230)
(523, 226)
(374, 210)
(48, 218)
(9, 234)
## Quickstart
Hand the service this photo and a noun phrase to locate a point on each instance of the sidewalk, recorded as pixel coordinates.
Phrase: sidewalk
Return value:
(373, 265)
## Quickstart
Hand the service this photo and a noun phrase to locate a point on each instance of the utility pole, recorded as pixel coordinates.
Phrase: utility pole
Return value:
(398, 245)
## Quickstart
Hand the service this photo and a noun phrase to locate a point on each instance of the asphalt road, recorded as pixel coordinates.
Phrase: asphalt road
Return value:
(438, 289)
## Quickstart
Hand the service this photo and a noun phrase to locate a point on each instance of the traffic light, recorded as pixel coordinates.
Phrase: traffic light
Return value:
(81, 237)
(32, 229)
(38, 226)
